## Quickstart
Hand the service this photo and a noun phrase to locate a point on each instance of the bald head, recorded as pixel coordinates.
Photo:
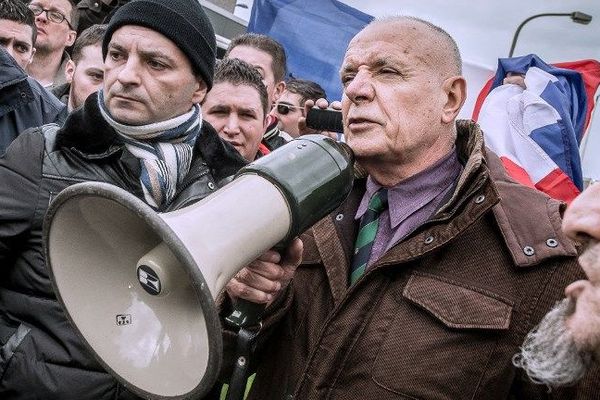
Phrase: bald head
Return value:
(436, 43)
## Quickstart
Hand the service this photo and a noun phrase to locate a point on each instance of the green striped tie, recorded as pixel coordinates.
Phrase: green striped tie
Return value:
(366, 234)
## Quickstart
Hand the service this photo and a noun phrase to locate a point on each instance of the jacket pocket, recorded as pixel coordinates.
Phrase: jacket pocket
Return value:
(11, 336)
(440, 340)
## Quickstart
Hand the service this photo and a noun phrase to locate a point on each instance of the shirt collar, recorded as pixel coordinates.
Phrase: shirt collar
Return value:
(413, 193)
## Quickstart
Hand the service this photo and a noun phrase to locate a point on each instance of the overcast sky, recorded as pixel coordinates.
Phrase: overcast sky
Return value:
(484, 29)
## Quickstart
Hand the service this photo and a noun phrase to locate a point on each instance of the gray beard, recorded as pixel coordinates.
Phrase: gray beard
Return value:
(549, 355)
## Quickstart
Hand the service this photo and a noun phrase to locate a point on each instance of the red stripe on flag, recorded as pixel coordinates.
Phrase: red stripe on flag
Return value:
(517, 172)
(559, 186)
(482, 95)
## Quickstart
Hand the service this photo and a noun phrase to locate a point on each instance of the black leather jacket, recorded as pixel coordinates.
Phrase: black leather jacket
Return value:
(41, 357)
(24, 103)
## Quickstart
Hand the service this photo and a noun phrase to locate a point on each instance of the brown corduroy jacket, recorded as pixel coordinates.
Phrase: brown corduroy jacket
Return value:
(439, 316)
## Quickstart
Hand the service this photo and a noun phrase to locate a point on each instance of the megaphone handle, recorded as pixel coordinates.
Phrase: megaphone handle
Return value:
(245, 314)
(237, 384)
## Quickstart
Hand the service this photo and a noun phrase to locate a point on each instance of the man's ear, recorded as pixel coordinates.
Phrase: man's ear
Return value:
(279, 89)
(69, 71)
(71, 36)
(200, 92)
(33, 50)
(455, 89)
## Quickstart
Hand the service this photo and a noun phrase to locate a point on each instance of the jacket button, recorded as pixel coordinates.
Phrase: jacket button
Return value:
(339, 217)
(479, 199)
(211, 186)
(429, 240)
(528, 250)
(552, 242)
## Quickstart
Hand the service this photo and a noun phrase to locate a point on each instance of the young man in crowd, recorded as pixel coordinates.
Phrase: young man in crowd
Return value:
(142, 132)
(289, 108)
(237, 106)
(17, 31)
(24, 103)
(85, 70)
(56, 22)
(268, 57)
(424, 283)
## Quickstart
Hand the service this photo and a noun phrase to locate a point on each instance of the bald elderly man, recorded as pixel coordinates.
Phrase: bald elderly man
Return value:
(560, 350)
(424, 283)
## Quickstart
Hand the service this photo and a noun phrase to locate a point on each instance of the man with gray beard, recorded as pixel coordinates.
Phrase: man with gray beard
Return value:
(560, 350)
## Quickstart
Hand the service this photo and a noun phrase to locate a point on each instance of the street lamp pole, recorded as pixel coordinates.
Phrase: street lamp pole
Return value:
(576, 16)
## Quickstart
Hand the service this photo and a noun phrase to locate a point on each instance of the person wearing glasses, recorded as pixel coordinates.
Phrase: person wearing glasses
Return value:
(56, 22)
(290, 106)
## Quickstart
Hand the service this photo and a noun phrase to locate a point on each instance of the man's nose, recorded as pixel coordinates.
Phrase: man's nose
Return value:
(129, 73)
(232, 126)
(361, 88)
(575, 289)
(43, 17)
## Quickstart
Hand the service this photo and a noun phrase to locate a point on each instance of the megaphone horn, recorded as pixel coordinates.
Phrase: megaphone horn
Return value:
(139, 286)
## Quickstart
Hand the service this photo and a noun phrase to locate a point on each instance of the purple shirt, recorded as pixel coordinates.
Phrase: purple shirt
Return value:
(411, 202)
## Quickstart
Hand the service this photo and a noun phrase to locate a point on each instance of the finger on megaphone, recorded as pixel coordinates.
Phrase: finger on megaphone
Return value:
(269, 270)
(260, 291)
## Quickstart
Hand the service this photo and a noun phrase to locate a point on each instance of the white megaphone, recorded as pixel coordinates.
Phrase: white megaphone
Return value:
(139, 286)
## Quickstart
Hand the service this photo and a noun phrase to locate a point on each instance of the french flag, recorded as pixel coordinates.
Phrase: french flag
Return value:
(536, 131)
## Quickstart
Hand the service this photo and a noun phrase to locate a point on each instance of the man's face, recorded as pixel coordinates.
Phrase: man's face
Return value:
(17, 39)
(147, 78)
(288, 110)
(393, 94)
(236, 113)
(86, 76)
(582, 222)
(558, 351)
(52, 36)
(263, 62)
(584, 323)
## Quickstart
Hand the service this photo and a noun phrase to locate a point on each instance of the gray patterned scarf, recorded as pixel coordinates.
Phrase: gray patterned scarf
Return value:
(164, 149)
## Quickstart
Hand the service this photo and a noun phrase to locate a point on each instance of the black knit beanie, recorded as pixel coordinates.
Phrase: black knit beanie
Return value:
(182, 21)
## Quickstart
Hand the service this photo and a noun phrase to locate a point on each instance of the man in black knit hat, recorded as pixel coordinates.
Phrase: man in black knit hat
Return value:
(142, 132)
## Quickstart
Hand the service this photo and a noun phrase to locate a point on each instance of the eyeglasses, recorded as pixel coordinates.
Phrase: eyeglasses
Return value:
(284, 109)
(52, 15)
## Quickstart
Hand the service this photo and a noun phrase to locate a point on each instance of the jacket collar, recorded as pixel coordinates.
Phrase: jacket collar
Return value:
(86, 132)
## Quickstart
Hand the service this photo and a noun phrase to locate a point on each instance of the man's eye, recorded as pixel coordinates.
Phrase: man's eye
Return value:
(158, 66)
(115, 55)
(347, 78)
(97, 77)
(22, 49)
(55, 15)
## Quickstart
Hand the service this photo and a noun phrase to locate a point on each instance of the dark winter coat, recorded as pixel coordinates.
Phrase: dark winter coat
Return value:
(24, 103)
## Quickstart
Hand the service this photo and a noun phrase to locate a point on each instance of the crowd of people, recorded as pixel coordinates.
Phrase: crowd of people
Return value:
(439, 277)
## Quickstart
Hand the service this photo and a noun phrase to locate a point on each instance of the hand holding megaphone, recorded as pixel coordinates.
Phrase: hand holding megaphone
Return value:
(266, 277)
